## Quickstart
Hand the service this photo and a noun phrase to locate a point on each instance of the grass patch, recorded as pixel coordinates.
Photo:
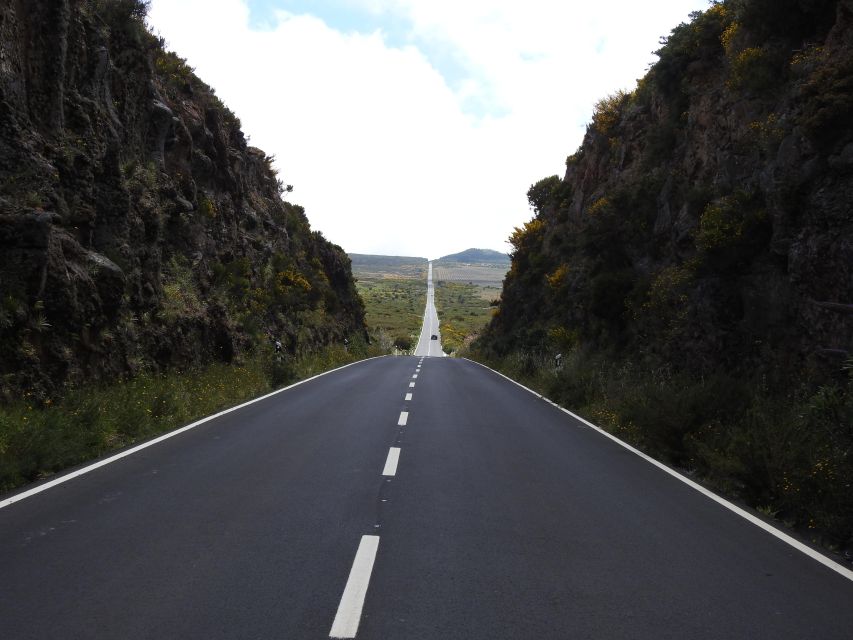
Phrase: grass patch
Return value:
(38, 439)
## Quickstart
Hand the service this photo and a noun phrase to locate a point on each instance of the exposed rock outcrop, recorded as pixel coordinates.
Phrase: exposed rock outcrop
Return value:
(138, 230)
(709, 212)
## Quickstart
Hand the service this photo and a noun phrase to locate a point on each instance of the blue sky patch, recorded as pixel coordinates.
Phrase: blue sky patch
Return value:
(397, 32)
(341, 15)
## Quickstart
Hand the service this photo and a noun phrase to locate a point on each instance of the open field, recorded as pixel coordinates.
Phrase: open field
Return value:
(394, 292)
(394, 309)
(487, 275)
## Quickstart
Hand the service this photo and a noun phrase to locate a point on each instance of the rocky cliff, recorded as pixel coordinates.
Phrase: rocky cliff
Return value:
(702, 239)
(138, 230)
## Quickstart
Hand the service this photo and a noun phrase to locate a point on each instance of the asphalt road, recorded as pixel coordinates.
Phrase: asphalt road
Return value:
(426, 345)
(499, 516)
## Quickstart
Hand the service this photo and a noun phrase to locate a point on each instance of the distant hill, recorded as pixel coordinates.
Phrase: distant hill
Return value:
(477, 256)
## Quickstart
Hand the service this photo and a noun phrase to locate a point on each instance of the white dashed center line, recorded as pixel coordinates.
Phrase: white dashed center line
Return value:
(391, 462)
(414, 375)
(352, 601)
(411, 385)
(404, 418)
(408, 397)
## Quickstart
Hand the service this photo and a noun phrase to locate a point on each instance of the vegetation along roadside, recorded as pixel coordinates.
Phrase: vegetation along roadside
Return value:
(39, 437)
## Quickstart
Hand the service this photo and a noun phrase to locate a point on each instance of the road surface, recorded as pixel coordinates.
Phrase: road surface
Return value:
(405, 498)
(426, 345)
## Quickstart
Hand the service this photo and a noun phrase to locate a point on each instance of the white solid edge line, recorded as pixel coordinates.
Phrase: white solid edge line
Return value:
(348, 616)
(781, 535)
(404, 418)
(408, 397)
(418, 345)
(391, 462)
(150, 443)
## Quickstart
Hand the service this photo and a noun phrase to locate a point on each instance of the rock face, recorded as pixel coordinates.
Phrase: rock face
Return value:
(138, 230)
(707, 218)
(694, 266)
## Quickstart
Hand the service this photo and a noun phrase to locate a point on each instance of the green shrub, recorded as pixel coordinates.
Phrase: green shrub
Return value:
(767, 133)
(699, 39)
(608, 112)
(173, 69)
(754, 69)
(181, 297)
(528, 235)
(403, 343)
(280, 371)
(721, 225)
(207, 207)
(552, 191)
(732, 229)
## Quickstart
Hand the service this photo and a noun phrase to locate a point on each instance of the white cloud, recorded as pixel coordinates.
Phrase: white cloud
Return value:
(384, 152)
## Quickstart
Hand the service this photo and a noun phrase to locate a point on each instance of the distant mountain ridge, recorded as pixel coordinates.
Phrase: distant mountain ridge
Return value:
(477, 256)
(470, 256)
(362, 259)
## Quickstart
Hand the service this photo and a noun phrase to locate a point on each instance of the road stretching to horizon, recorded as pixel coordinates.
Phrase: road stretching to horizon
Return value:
(399, 497)
(426, 345)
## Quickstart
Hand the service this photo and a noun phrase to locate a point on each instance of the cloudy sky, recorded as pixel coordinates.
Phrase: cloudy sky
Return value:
(415, 127)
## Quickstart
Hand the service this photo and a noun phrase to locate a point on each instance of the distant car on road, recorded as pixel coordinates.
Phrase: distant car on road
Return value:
(433, 337)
